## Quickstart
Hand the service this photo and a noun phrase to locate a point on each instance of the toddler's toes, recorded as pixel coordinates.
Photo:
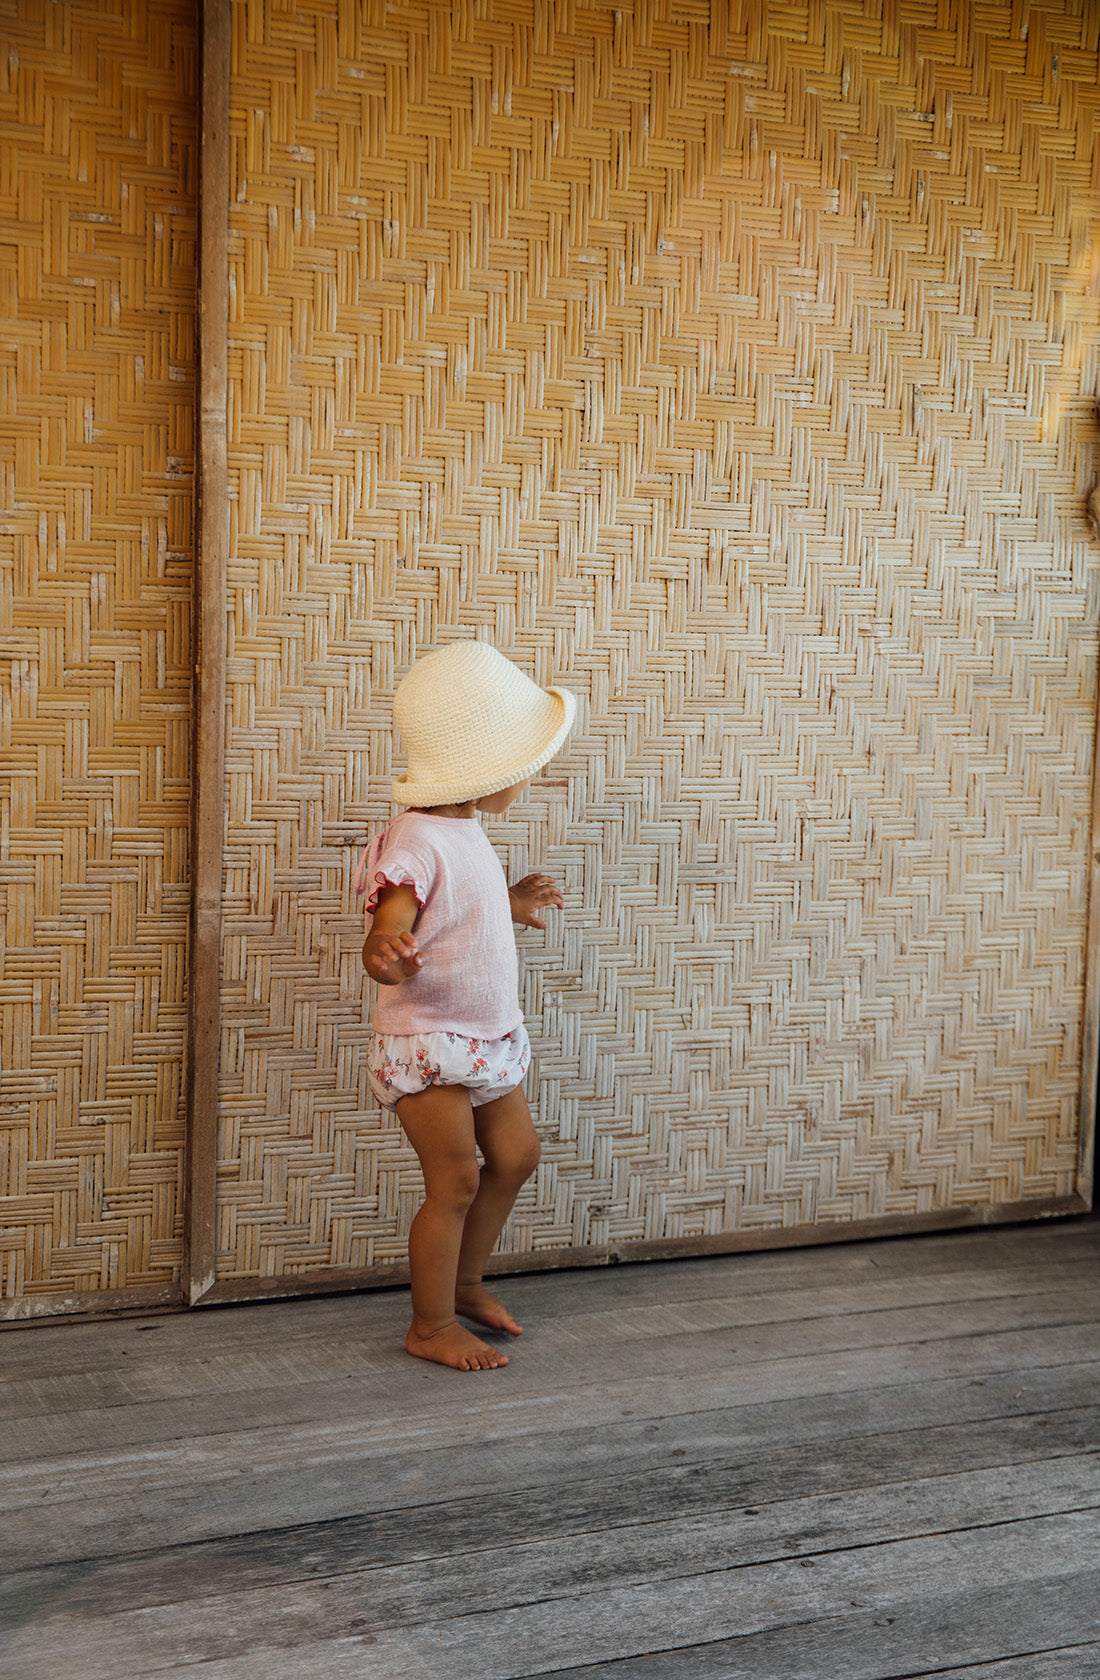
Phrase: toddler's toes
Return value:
(455, 1346)
(474, 1301)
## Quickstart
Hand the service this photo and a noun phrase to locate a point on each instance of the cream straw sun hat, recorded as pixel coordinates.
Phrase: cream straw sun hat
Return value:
(474, 723)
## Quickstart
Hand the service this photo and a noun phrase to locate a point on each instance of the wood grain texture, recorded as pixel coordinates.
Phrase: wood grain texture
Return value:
(707, 1471)
(208, 694)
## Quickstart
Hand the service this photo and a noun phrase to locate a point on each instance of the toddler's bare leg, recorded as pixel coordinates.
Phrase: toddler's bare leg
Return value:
(439, 1124)
(510, 1150)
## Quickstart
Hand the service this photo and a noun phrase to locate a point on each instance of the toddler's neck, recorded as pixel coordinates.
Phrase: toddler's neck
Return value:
(459, 811)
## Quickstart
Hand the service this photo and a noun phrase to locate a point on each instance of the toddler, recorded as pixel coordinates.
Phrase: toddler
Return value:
(450, 1050)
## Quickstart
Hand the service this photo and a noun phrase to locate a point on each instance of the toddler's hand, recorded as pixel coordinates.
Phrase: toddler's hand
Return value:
(530, 895)
(390, 958)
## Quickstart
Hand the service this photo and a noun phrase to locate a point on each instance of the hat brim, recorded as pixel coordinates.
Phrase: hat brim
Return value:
(458, 792)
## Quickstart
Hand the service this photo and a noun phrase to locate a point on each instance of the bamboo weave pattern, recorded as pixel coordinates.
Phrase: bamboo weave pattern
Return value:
(97, 276)
(732, 365)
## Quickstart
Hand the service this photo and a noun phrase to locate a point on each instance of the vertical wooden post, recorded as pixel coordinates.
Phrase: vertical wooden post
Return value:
(1090, 1037)
(208, 691)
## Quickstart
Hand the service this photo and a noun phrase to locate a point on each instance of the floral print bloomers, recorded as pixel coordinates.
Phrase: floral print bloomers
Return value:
(488, 1067)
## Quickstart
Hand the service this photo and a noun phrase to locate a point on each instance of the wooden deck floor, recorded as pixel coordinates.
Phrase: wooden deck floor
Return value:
(832, 1464)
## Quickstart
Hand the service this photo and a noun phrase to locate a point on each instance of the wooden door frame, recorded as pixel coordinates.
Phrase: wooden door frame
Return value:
(208, 687)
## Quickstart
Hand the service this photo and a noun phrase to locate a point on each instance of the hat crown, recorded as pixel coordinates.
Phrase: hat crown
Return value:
(473, 723)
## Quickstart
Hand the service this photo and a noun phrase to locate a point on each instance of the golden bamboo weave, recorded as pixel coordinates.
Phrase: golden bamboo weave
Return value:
(97, 236)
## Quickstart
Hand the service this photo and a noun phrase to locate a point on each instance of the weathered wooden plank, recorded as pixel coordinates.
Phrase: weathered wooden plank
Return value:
(138, 1362)
(986, 1261)
(577, 1620)
(777, 1270)
(663, 1528)
(754, 1364)
(909, 1644)
(821, 1425)
(131, 1497)
(1080, 1663)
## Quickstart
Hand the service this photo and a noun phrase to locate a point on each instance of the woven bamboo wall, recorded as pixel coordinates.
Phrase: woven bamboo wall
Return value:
(734, 366)
(97, 234)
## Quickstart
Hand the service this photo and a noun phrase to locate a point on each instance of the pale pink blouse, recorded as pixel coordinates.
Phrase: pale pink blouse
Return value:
(470, 980)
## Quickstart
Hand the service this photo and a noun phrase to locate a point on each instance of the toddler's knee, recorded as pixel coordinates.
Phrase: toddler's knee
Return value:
(520, 1162)
(458, 1185)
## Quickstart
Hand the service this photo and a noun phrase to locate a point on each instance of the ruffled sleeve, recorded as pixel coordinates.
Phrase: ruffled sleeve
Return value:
(383, 864)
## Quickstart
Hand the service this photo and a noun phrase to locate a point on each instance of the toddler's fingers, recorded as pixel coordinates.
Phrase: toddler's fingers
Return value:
(544, 885)
(396, 948)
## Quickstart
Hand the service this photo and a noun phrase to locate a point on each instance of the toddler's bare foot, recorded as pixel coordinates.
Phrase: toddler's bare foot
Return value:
(452, 1344)
(474, 1301)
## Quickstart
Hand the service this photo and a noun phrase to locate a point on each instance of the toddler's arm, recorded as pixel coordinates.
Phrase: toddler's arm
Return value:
(390, 953)
(529, 895)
